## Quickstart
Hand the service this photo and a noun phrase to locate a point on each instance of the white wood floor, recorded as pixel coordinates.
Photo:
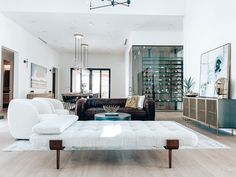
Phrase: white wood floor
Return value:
(186, 163)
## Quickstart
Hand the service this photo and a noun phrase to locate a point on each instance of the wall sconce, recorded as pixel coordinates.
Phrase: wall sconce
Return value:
(26, 62)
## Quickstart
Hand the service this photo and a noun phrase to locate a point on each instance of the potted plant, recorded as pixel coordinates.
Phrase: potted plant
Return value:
(188, 86)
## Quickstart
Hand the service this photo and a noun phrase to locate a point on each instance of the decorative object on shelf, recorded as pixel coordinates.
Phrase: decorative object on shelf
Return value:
(188, 85)
(108, 3)
(191, 94)
(38, 76)
(215, 64)
(111, 108)
(221, 87)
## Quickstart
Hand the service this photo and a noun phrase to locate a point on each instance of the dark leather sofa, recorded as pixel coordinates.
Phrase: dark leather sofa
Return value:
(86, 108)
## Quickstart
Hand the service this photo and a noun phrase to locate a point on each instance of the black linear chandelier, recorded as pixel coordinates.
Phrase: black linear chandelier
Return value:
(111, 3)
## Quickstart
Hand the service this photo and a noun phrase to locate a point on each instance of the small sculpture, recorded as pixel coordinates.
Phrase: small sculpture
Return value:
(221, 87)
(111, 108)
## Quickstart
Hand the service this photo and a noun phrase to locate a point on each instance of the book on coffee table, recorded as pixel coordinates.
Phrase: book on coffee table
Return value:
(111, 114)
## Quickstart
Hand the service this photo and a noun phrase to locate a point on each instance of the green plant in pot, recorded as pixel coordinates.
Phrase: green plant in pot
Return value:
(188, 86)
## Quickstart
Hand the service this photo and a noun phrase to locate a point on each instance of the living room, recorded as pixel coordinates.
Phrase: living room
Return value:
(116, 43)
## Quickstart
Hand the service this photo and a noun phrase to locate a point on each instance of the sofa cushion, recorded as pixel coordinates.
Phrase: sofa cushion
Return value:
(91, 111)
(132, 102)
(95, 103)
(137, 114)
(54, 126)
(135, 111)
(140, 101)
(121, 109)
(95, 110)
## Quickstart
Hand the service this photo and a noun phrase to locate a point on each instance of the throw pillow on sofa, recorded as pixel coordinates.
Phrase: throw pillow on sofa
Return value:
(132, 102)
(140, 101)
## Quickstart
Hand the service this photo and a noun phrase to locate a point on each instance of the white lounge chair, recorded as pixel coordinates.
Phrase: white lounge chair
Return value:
(23, 114)
(57, 105)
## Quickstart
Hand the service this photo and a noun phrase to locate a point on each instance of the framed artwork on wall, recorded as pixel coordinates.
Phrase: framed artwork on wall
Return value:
(38, 76)
(215, 65)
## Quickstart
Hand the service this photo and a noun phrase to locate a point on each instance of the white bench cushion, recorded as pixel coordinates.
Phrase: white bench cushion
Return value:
(53, 126)
(119, 135)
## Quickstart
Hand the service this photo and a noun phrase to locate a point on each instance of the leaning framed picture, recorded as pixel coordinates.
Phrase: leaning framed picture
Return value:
(38, 76)
(215, 65)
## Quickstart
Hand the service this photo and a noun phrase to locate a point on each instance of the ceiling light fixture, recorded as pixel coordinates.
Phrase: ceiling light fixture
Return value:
(111, 3)
(78, 57)
(84, 53)
(78, 36)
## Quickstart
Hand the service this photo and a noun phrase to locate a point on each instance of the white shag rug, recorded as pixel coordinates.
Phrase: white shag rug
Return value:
(204, 142)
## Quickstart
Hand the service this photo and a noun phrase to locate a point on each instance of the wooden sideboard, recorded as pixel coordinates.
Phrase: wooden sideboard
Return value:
(216, 113)
(44, 95)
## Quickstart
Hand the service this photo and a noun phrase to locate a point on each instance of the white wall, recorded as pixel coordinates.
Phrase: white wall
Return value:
(25, 46)
(157, 38)
(207, 25)
(115, 62)
(161, 38)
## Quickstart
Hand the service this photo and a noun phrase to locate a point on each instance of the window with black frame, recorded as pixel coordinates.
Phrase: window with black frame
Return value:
(91, 80)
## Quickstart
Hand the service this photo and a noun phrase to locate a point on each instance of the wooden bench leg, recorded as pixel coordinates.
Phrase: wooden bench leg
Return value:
(171, 145)
(58, 146)
(58, 159)
(170, 158)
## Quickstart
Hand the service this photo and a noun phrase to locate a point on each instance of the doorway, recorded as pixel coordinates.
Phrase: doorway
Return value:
(7, 76)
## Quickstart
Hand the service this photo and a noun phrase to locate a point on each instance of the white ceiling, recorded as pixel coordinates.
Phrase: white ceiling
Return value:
(105, 30)
(103, 33)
